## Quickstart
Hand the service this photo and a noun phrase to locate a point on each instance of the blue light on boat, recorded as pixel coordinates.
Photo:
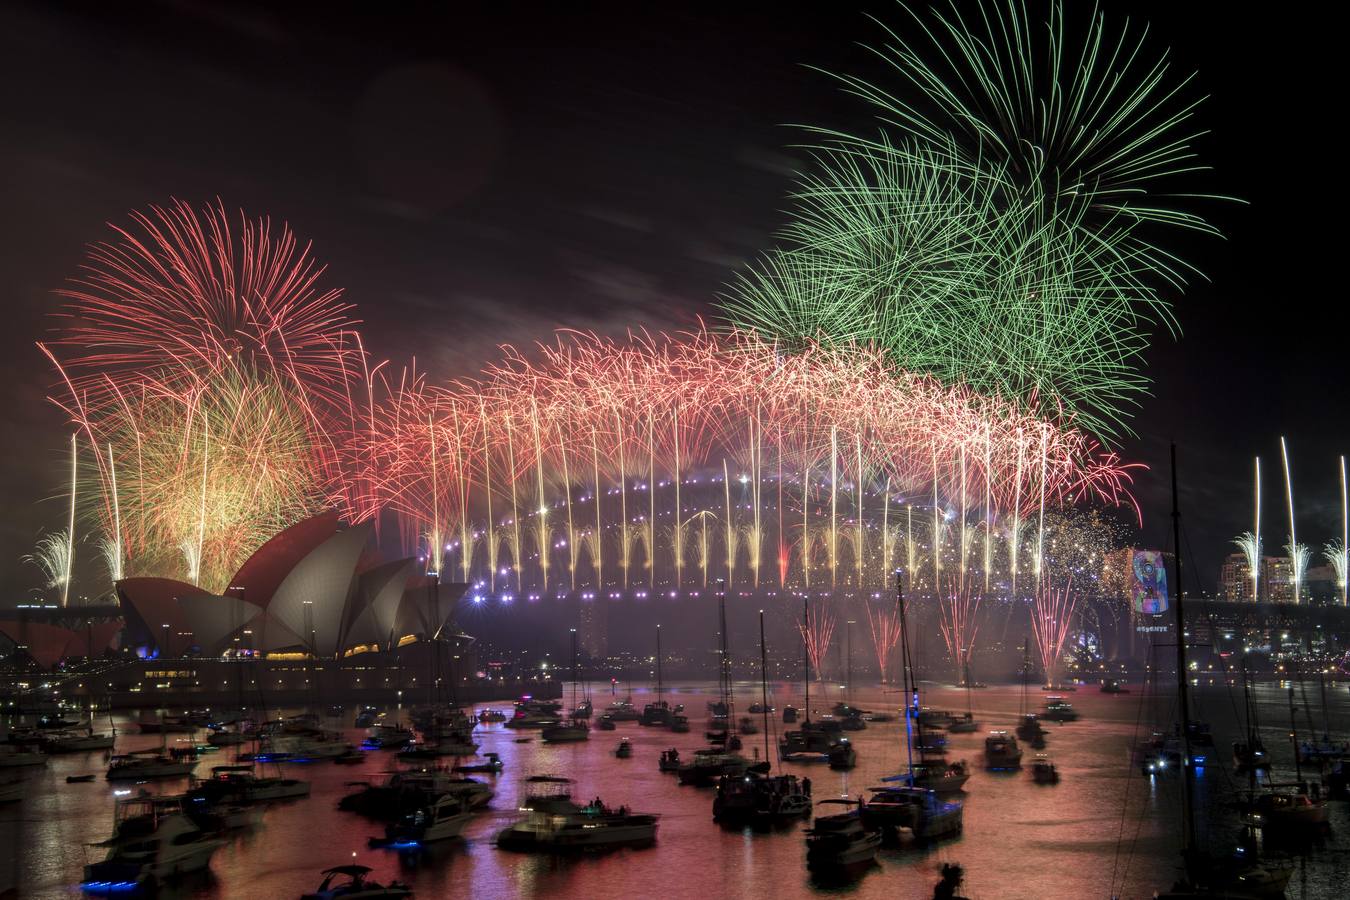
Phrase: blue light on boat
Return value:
(108, 887)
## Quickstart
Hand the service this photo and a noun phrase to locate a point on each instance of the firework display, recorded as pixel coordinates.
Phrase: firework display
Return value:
(996, 230)
(665, 461)
(817, 630)
(202, 364)
(914, 379)
(590, 463)
(1052, 616)
(960, 624)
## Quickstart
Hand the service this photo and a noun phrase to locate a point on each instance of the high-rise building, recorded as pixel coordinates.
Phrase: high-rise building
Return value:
(1235, 579)
(1277, 580)
(594, 630)
(1275, 585)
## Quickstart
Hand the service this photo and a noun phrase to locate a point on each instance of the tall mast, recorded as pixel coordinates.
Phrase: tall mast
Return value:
(764, 685)
(1293, 737)
(906, 673)
(848, 669)
(1187, 796)
(658, 665)
(574, 670)
(726, 666)
(806, 653)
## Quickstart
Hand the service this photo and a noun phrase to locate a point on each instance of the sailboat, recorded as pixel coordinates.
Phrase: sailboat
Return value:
(721, 723)
(657, 713)
(760, 797)
(823, 738)
(966, 724)
(1235, 878)
(720, 759)
(903, 801)
(576, 729)
(1029, 726)
(1319, 751)
(1250, 755)
(1287, 807)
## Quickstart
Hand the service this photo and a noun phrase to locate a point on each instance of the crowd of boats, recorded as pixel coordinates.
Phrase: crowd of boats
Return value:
(156, 837)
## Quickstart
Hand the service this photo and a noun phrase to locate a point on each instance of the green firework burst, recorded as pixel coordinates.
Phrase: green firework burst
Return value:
(1005, 240)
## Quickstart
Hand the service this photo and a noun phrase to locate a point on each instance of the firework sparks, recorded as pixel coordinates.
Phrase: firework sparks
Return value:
(884, 624)
(276, 413)
(817, 630)
(1002, 181)
(52, 557)
(1249, 544)
(960, 609)
(1052, 613)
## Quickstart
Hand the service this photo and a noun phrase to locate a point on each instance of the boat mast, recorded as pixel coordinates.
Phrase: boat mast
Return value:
(1026, 672)
(1188, 773)
(725, 676)
(658, 666)
(764, 686)
(906, 674)
(1326, 713)
(806, 654)
(574, 671)
(848, 671)
(1293, 738)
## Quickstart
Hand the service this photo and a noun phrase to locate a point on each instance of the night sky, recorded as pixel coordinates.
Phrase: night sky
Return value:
(491, 173)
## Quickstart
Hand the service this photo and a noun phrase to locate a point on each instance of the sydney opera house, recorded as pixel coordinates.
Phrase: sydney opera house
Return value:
(315, 613)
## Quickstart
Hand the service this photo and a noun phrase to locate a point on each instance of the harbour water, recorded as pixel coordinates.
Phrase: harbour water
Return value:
(1103, 826)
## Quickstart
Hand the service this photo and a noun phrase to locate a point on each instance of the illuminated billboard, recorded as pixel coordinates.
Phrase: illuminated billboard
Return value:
(1150, 583)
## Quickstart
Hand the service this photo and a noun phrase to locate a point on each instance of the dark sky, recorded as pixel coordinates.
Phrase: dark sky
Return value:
(492, 171)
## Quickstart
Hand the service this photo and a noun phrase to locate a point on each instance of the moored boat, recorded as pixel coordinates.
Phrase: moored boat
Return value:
(153, 841)
(150, 764)
(441, 818)
(709, 765)
(841, 839)
(1043, 770)
(554, 823)
(78, 741)
(760, 798)
(919, 810)
(355, 886)
(1001, 751)
(238, 784)
(670, 761)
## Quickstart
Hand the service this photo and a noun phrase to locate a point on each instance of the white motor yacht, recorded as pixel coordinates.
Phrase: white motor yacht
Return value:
(553, 823)
(153, 840)
(443, 817)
